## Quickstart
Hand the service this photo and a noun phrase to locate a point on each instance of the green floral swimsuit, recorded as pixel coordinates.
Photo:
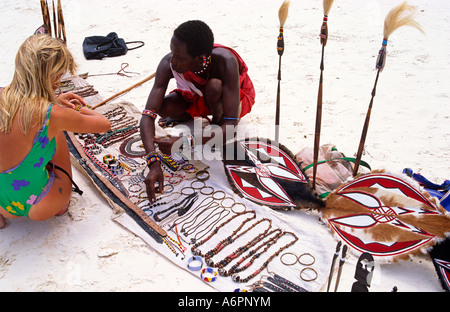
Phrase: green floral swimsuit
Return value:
(27, 183)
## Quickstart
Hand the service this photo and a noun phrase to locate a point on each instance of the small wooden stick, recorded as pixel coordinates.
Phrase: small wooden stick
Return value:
(124, 91)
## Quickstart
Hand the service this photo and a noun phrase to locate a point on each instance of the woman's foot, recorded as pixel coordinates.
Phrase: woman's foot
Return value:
(2, 222)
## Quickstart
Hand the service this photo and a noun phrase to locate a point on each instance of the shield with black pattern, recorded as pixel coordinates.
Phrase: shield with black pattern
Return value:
(266, 173)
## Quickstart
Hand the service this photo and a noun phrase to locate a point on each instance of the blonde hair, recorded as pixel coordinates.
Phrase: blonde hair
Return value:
(40, 61)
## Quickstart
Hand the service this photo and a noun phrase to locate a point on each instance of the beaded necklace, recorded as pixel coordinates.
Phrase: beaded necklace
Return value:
(237, 278)
(206, 63)
(229, 240)
(210, 217)
(222, 263)
(236, 268)
(195, 249)
(188, 202)
(127, 147)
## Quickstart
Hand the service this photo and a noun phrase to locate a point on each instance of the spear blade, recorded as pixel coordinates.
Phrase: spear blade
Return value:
(341, 263)
(336, 254)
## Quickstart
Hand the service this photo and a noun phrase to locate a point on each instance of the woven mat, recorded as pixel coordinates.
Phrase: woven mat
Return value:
(313, 238)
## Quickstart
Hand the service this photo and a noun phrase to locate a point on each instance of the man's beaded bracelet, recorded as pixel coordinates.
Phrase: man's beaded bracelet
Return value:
(150, 113)
(152, 157)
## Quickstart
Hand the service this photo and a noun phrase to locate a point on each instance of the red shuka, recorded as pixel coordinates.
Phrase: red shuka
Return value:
(198, 107)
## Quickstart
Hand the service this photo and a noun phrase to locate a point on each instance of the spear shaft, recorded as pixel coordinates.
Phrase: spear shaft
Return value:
(282, 16)
(323, 40)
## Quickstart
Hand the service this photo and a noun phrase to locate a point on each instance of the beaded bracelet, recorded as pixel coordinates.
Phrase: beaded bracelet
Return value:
(150, 113)
(207, 278)
(78, 107)
(152, 157)
(195, 259)
(108, 158)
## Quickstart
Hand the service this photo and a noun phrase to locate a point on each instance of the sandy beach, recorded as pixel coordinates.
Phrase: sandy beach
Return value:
(86, 250)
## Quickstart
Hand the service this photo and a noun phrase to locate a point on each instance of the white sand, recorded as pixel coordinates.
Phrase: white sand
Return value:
(87, 251)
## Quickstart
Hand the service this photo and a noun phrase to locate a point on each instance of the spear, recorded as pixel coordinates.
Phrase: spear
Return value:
(54, 16)
(333, 262)
(61, 25)
(282, 16)
(341, 264)
(323, 40)
(401, 15)
(46, 16)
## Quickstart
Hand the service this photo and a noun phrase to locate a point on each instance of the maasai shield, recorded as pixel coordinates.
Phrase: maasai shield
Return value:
(267, 174)
(386, 216)
(441, 260)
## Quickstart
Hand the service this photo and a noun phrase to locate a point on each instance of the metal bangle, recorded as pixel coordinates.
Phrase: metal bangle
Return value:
(306, 254)
(306, 269)
(232, 207)
(188, 193)
(289, 253)
(224, 199)
(218, 192)
(199, 173)
(198, 188)
(202, 190)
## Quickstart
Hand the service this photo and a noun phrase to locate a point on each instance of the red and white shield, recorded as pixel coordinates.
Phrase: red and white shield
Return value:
(265, 174)
(384, 215)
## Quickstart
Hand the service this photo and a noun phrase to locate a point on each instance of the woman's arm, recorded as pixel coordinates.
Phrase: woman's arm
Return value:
(84, 120)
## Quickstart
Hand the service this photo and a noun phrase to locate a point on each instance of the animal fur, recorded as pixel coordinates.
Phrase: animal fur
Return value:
(283, 12)
(431, 227)
(401, 15)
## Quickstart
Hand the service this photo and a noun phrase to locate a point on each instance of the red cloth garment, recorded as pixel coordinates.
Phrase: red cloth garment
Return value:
(191, 87)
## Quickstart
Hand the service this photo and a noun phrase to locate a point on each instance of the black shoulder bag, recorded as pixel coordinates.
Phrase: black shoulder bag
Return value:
(98, 47)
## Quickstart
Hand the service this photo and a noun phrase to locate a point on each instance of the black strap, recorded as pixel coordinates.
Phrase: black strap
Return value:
(141, 44)
(75, 188)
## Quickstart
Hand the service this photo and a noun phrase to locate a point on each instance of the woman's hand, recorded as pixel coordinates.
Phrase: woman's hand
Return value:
(70, 100)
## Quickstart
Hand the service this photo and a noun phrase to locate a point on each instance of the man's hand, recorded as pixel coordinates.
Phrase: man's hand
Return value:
(155, 175)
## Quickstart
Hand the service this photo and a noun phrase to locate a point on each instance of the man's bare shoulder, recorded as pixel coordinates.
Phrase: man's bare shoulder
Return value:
(163, 72)
(223, 53)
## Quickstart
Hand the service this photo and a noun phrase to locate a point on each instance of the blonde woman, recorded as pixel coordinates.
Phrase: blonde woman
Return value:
(35, 169)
